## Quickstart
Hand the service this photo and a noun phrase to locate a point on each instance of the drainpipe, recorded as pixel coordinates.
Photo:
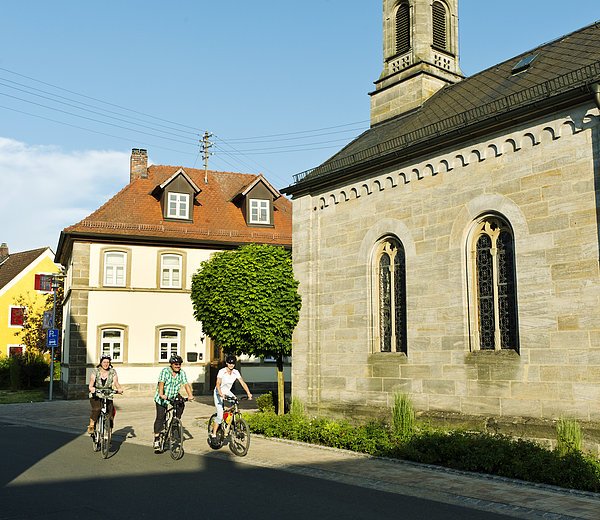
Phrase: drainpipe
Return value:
(595, 88)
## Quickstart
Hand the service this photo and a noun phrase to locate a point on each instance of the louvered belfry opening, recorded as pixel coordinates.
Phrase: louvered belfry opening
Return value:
(440, 39)
(403, 28)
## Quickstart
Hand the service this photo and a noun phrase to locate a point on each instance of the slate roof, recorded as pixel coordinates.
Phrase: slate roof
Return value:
(15, 263)
(135, 214)
(566, 65)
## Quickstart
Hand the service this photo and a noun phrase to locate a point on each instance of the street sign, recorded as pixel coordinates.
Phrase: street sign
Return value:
(47, 320)
(52, 338)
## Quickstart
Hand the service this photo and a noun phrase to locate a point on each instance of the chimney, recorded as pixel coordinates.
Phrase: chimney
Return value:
(3, 251)
(138, 165)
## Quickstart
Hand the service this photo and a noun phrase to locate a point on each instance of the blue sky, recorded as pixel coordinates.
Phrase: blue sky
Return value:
(281, 85)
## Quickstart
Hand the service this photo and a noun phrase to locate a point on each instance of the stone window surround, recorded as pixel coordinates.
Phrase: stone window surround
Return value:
(181, 351)
(125, 338)
(127, 274)
(379, 249)
(472, 285)
(182, 268)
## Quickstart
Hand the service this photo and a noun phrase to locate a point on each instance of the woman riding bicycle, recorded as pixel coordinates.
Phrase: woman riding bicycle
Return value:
(103, 377)
(170, 381)
(225, 379)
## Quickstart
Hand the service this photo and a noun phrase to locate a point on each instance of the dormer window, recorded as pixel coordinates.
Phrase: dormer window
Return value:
(260, 211)
(178, 205)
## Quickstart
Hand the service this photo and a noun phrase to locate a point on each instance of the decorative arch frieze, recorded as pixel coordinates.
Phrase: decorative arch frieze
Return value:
(476, 156)
(429, 170)
(509, 146)
(529, 140)
(461, 159)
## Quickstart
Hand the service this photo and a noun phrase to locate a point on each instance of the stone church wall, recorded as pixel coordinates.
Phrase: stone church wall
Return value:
(542, 178)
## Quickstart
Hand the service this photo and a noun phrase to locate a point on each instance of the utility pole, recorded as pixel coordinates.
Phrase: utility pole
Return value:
(206, 146)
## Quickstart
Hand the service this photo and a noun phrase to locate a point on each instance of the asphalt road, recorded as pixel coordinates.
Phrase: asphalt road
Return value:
(53, 475)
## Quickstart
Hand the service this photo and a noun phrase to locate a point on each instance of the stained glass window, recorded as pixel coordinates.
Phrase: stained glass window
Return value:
(495, 285)
(391, 296)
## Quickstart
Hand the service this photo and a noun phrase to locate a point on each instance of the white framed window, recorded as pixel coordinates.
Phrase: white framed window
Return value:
(16, 316)
(170, 271)
(115, 263)
(169, 344)
(178, 205)
(259, 211)
(112, 344)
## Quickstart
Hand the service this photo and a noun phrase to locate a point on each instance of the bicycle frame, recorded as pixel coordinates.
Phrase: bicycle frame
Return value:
(235, 432)
(172, 431)
(102, 435)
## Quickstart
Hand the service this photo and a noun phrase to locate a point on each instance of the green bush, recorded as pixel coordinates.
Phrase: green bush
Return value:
(34, 369)
(4, 372)
(265, 402)
(476, 452)
(14, 367)
(24, 371)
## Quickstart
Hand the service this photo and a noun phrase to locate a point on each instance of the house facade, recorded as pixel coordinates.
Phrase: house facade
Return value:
(129, 267)
(451, 252)
(25, 283)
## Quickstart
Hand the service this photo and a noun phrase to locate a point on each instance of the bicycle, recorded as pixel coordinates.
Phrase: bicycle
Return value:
(233, 430)
(172, 433)
(102, 434)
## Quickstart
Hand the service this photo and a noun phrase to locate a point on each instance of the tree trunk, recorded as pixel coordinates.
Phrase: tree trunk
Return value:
(280, 386)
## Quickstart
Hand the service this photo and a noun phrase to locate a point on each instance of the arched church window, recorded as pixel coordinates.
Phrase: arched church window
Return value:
(403, 28)
(391, 295)
(440, 26)
(495, 285)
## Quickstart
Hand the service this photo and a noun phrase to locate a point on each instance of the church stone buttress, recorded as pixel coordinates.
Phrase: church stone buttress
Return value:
(420, 55)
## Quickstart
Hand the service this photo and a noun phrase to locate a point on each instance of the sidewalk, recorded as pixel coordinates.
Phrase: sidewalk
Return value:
(135, 416)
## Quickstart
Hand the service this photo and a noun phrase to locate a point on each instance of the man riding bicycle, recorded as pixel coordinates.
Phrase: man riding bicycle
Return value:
(170, 381)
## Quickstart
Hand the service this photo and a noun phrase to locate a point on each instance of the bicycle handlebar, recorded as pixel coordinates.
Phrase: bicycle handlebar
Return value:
(105, 393)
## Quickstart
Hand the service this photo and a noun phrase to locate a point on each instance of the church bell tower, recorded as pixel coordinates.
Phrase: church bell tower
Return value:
(420, 55)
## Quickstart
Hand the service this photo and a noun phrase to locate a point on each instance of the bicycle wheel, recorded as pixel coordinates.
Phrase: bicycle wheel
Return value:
(215, 442)
(240, 437)
(105, 435)
(176, 439)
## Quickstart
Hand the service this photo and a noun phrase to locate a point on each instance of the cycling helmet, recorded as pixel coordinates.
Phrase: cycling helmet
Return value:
(230, 359)
(175, 359)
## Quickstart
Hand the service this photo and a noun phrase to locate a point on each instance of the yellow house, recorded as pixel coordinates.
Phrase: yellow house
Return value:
(21, 276)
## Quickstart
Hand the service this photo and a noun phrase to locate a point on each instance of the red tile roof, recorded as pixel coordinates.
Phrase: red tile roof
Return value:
(135, 213)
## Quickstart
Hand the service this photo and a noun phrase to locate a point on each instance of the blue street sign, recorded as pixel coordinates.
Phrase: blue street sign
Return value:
(52, 338)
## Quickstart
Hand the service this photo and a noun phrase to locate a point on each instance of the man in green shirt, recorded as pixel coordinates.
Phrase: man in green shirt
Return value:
(170, 381)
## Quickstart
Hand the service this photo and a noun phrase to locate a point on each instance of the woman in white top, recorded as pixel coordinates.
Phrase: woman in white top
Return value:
(225, 379)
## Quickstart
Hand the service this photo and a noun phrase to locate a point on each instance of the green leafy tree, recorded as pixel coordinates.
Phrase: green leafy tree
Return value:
(248, 302)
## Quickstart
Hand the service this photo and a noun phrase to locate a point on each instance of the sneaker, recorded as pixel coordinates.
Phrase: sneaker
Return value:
(156, 446)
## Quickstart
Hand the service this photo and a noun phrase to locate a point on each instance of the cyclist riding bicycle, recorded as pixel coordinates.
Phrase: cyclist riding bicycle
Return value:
(103, 377)
(225, 379)
(170, 381)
